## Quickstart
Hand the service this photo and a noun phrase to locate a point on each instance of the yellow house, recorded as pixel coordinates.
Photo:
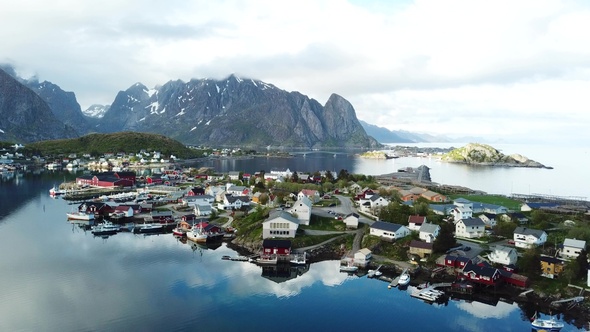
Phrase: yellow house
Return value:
(551, 267)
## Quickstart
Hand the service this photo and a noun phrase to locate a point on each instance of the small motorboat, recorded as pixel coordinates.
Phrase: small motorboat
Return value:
(404, 278)
(550, 324)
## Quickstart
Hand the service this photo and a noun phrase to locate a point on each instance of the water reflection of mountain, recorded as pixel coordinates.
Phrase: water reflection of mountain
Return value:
(283, 272)
(20, 188)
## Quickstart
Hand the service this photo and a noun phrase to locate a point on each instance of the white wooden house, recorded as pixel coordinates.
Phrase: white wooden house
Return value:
(503, 255)
(414, 222)
(462, 212)
(528, 238)
(362, 257)
(283, 225)
(352, 221)
(429, 232)
(302, 210)
(470, 228)
(389, 230)
(312, 195)
(572, 248)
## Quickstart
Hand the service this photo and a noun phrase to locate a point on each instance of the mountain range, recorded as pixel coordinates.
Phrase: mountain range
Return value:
(229, 112)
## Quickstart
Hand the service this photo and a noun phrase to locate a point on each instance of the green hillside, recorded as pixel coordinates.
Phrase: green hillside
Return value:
(126, 142)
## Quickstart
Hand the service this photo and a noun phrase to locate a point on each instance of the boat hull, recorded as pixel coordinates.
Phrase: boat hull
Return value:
(80, 216)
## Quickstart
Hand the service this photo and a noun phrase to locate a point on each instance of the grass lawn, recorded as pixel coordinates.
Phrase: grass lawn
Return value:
(324, 224)
(308, 240)
(509, 203)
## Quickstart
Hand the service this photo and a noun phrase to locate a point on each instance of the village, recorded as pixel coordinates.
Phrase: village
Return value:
(395, 222)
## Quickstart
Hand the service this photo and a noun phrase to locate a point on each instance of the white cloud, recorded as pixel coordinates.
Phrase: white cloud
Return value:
(500, 69)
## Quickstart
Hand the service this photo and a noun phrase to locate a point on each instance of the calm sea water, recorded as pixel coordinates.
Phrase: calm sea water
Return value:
(568, 177)
(57, 277)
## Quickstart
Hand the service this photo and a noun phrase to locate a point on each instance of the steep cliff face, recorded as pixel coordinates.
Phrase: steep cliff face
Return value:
(26, 117)
(236, 111)
(483, 154)
(62, 103)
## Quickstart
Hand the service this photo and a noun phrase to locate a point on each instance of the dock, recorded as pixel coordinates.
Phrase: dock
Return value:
(393, 282)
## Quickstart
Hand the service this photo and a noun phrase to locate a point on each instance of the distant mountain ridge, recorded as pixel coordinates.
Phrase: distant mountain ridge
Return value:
(236, 111)
(384, 136)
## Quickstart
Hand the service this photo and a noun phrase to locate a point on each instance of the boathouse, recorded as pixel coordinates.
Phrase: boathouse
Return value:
(481, 274)
(276, 247)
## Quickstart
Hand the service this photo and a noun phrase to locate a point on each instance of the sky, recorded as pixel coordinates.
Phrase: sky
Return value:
(509, 71)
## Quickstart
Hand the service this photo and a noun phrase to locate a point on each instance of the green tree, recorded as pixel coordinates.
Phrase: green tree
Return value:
(421, 209)
(582, 261)
(295, 177)
(445, 238)
(505, 229)
(530, 263)
(343, 175)
(263, 199)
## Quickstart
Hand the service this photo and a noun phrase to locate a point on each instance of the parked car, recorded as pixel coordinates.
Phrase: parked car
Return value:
(467, 248)
(510, 241)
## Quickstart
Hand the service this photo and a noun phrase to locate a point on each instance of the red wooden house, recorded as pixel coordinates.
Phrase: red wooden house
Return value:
(482, 274)
(277, 247)
(455, 261)
(102, 180)
(96, 208)
(515, 279)
(154, 179)
(188, 217)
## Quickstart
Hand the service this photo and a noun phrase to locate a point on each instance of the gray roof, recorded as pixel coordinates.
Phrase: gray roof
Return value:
(386, 226)
(286, 216)
(429, 228)
(473, 222)
(529, 231)
(573, 243)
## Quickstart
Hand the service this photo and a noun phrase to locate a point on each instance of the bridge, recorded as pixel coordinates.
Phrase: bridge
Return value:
(334, 153)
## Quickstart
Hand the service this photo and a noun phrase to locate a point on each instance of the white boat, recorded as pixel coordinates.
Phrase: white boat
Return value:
(348, 268)
(148, 228)
(267, 260)
(299, 259)
(404, 279)
(196, 234)
(80, 216)
(55, 191)
(105, 228)
(550, 324)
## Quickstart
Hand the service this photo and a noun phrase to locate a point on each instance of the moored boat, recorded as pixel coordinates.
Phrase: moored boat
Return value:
(105, 228)
(348, 268)
(267, 260)
(205, 232)
(80, 216)
(147, 228)
(550, 324)
(404, 278)
(299, 259)
(181, 229)
(55, 191)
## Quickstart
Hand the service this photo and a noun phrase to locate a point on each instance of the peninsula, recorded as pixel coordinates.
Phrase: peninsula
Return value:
(485, 155)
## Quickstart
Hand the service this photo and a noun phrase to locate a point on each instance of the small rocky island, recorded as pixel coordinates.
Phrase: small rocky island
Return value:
(376, 155)
(485, 155)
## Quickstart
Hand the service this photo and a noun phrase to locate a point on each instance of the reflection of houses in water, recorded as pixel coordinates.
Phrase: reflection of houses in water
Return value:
(283, 272)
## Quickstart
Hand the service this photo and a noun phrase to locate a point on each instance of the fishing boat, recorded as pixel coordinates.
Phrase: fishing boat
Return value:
(550, 324)
(205, 232)
(181, 229)
(80, 216)
(105, 228)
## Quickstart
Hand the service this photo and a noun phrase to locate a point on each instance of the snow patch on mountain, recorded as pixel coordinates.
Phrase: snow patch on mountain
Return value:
(96, 111)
